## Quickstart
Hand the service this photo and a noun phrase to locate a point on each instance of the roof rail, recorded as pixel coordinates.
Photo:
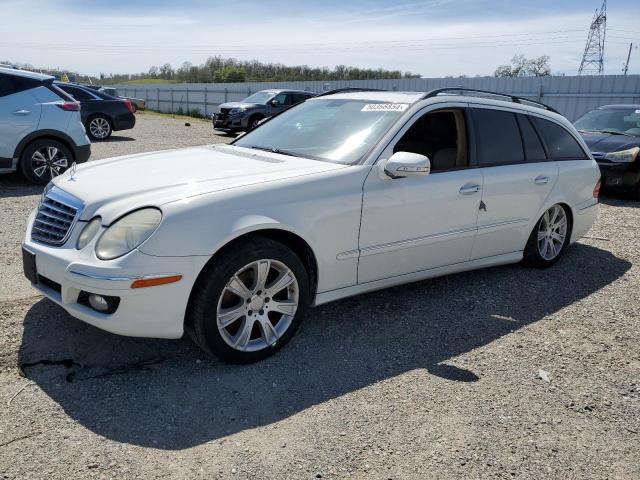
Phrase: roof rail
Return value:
(349, 89)
(513, 98)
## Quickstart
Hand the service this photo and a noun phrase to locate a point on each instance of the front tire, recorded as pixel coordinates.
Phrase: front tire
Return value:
(248, 302)
(45, 159)
(549, 238)
(99, 127)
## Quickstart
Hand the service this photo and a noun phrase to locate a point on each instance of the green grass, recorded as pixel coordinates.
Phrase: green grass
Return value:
(142, 81)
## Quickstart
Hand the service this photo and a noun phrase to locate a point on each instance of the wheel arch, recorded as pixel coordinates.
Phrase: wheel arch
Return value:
(42, 135)
(276, 232)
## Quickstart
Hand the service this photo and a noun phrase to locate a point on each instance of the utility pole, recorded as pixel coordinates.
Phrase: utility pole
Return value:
(626, 65)
(593, 56)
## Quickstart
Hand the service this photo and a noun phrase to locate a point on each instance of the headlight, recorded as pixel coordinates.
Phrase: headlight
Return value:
(128, 233)
(623, 156)
(235, 111)
(88, 232)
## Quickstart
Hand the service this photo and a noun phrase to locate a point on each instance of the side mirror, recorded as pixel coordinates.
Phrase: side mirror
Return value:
(407, 164)
(273, 102)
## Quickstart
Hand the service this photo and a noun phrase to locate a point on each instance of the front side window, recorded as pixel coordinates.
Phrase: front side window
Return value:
(560, 143)
(260, 98)
(497, 137)
(282, 99)
(439, 135)
(611, 120)
(340, 131)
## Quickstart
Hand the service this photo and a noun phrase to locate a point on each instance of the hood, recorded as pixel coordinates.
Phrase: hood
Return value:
(231, 105)
(115, 186)
(606, 142)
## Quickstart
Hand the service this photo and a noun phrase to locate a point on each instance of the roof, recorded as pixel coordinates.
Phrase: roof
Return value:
(620, 105)
(25, 74)
(377, 96)
(280, 90)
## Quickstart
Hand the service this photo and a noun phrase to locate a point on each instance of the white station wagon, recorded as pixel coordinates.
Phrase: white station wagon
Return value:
(345, 193)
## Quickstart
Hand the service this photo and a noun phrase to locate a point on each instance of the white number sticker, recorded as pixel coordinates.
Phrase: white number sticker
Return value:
(385, 107)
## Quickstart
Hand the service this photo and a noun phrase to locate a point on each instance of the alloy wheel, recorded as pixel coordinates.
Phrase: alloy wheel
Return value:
(49, 161)
(552, 232)
(99, 127)
(257, 305)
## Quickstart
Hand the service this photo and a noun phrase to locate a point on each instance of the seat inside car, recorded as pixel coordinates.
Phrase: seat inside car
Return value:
(441, 136)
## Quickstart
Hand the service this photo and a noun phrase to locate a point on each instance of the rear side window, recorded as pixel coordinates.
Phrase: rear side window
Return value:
(560, 143)
(299, 97)
(497, 137)
(10, 84)
(533, 149)
(77, 93)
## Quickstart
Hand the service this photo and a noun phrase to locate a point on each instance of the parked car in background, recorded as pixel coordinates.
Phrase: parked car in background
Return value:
(137, 103)
(612, 132)
(340, 195)
(102, 114)
(41, 133)
(245, 115)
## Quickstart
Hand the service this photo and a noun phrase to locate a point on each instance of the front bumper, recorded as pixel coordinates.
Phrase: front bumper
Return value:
(64, 272)
(619, 175)
(229, 123)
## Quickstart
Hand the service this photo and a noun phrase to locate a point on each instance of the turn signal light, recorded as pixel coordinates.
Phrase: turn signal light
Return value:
(152, 282)
(596, 189)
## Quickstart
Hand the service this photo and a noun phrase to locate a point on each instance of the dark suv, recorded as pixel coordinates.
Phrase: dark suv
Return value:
(245, 115)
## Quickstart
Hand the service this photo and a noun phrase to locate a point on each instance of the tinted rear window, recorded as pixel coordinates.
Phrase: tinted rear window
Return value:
(497, 137)
(77, 93)
(560, 143)
(533, 149)
(10, 84)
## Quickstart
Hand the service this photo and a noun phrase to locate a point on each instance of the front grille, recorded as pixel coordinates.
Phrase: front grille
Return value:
(224, 113)
(57, 213)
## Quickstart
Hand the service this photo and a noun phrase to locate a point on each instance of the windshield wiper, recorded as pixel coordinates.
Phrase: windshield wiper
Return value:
(276, 150)
(615, 132)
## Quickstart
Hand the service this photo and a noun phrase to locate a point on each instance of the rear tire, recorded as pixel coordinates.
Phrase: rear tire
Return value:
(99, 127)
(45, 159)
(549, 238)
(237, 307)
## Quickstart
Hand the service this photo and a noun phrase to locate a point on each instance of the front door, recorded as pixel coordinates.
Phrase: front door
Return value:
(418, 223)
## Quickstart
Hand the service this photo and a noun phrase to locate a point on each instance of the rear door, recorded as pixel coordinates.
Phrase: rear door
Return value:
(19, 114)
(518, 177)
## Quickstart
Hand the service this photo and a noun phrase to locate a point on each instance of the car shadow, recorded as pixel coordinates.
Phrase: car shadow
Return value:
(15, 185)
(619, 199)
(116, 138)
(169, 395)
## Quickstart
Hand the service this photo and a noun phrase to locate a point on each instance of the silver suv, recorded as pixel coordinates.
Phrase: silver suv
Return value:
(41, 133)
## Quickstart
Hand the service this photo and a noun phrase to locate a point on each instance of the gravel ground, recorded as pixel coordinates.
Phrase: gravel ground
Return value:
(437, 379)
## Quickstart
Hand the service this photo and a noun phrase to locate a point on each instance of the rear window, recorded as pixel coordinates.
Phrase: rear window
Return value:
(77, 93)
(497, 137)
(61, 93)
(560, 143)
(10, 84)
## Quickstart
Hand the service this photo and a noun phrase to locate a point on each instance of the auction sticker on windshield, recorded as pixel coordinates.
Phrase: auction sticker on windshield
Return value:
(385, 107)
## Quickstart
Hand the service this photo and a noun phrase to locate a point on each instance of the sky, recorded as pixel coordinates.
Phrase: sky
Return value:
(434, 38)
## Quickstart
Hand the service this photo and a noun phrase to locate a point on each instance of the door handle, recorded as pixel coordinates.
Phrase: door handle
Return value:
(469, 189)
(541, 180)
(21, 112)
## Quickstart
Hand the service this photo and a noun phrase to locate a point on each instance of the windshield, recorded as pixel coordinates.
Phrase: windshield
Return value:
(259, 97)
(339, 131)
(611, 120)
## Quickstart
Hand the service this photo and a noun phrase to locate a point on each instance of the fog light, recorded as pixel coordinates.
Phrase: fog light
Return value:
(98, 302)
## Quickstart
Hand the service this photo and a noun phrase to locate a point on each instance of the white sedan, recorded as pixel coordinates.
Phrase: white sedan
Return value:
(343, 194)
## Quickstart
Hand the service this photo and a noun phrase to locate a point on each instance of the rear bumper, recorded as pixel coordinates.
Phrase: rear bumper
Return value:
(584, 217)
(82, 153)
(124, 121)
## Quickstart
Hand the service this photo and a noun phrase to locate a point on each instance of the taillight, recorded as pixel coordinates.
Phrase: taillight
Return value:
(596, 189)
(128, 105)
(69, 106)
